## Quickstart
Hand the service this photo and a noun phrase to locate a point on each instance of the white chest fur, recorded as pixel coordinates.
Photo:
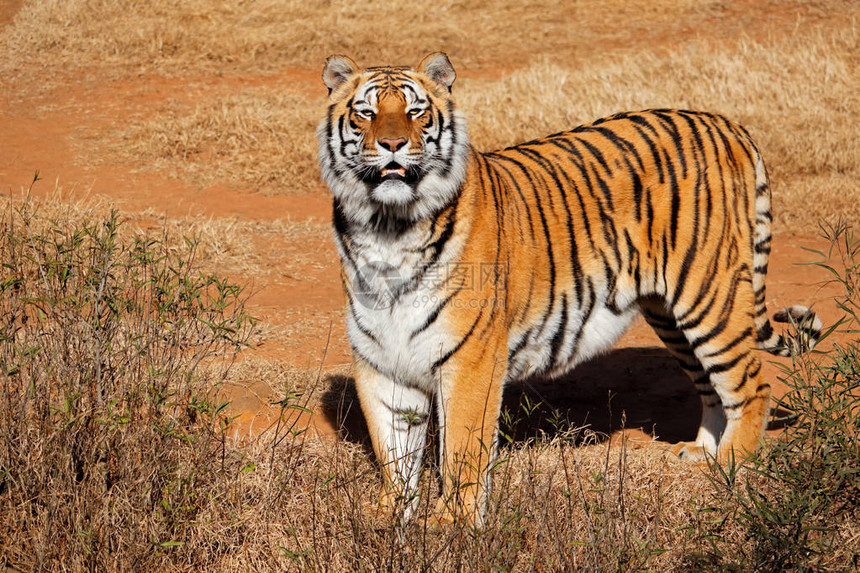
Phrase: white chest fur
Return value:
(396, 288)
(395, 341)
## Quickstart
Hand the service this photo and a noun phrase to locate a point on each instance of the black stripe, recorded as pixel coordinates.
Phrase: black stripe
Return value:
(632, 260)
(725, 316)
(586, 311)
(521, 343)
(625, 146)
(675, 208)
(685, 324)
(764, 332)
(637, 190)
(558, 336)
(744, 403)
(640, 121)
(363, 329)
(431, 318)
(458, 346)
(669, 125)
(597, 154)
(763, 245)
(737, 340)
(723, 367)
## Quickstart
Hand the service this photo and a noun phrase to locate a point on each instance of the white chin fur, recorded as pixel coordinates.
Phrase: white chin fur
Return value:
(393, 192)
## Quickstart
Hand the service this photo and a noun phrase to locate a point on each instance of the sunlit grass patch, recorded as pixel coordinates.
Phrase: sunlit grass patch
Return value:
(262, 140)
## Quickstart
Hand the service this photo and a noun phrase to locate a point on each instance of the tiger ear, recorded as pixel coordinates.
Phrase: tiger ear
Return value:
(337, 70)
(438, 68)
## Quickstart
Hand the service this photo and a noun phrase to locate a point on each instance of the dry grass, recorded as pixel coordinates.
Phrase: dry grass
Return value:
(267, 35)
(236, 247)
(265, 140)
(229, 246)
(559, 507)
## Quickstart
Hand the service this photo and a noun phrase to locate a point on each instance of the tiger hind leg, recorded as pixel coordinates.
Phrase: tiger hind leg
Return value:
(721, 333)
(713, 422)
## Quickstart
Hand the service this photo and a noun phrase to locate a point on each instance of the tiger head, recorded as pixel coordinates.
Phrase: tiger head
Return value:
(392, 145)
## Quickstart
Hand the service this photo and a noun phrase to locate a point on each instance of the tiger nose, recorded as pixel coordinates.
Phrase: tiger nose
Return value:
(392, 144)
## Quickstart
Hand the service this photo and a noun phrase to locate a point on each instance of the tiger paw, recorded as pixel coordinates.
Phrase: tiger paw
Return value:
(442, 517)
(446, 517)
(690, 452)
(389, 505)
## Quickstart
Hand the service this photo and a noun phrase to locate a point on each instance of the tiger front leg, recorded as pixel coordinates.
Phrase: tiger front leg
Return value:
(470, 400)
(397, 417)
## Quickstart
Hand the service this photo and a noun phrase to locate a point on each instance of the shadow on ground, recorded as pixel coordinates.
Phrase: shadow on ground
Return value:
(632, 388)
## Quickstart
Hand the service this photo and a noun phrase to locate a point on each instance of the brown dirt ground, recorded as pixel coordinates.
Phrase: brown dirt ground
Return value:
(51, 141)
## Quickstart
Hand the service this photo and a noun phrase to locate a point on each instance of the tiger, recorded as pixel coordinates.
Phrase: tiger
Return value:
(466, 270)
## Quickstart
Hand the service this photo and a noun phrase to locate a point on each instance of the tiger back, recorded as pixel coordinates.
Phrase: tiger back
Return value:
(465, 270)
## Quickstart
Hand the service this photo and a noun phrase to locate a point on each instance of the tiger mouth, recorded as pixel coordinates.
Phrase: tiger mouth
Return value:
(393, 171)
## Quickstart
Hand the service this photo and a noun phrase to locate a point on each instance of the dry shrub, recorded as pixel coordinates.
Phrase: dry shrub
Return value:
(107, 351)
(795, 505)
